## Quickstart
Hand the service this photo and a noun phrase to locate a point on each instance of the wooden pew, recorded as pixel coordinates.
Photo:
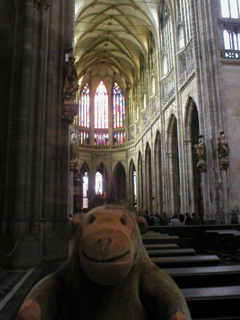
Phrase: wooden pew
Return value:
(213, 302)
(221, 241)
(154, 235)
(186, 261)
(196, 277)
(181, 242)
(161, 246)
(171, 252)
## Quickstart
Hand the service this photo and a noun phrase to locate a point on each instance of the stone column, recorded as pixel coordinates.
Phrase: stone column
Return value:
(37, 158)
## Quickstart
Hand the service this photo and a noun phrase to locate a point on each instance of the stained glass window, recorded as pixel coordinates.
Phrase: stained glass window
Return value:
(101, 107)
(119, 137)
(98, 183)
(101, 139)
(118, 107)
(84, 137)
(84, 120)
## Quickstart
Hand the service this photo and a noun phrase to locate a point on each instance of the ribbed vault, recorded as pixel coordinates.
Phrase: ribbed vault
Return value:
(111, 37)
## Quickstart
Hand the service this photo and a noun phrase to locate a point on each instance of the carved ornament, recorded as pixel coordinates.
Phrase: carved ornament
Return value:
(42, 4)
(223, 151)
(73, 165)
(200, 150)
(69, 110)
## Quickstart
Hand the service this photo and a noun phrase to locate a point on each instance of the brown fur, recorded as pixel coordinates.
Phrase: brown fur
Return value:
(109, 276)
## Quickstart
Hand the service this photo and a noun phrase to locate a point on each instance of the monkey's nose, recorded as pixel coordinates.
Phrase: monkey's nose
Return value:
(104, 244)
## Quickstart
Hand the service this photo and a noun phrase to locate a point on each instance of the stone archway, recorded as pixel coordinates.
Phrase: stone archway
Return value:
(194, 176)
(140, 182)
(148, 178)
(132, 186)
(120, 184)
(173, 167)
(158, 173)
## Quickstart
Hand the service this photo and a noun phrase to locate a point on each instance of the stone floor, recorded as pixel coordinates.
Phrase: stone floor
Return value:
(15, 284)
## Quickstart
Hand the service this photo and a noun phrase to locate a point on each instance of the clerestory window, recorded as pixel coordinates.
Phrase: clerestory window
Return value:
(230, 9)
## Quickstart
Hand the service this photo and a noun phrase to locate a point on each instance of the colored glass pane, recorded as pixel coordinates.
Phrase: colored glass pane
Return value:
(101, 107)
(118, 107)
(101, 139)
(84, 118)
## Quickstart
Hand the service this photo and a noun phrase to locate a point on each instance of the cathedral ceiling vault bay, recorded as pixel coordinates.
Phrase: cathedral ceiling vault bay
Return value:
(112, 36)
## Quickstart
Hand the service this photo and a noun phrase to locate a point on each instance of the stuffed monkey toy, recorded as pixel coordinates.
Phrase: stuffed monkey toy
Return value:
(109, 277)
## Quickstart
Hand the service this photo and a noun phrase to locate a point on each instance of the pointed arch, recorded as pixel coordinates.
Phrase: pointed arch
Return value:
(194, 176)
(119, 178)
(140, 181)
(133, 185)
(148, 175)
(158, 173)
(173, 167)
(101, 183)
(84, 186)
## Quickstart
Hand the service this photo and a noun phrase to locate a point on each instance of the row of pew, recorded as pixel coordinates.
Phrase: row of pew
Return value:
(211, 285)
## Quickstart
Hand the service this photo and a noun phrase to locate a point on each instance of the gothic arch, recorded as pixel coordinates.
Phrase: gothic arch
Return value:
(148, 178)
(102, 169)
(133, 194)
(173, 167)
(83, 198)
(119, 178)
(194, 176)
(140, 181)
(158, 172)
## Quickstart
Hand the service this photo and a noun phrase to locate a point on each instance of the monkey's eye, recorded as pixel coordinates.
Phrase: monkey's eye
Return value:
(92, 219)
(123, 221)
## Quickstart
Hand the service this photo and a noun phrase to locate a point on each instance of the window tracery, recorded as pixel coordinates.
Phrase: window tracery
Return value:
(230, 11)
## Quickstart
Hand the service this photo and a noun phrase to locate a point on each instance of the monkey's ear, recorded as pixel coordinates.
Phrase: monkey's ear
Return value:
(143, 225)
(77, 218)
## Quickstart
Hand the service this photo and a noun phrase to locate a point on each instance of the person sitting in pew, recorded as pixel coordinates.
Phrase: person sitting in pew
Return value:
(196, 220)
(175, 221)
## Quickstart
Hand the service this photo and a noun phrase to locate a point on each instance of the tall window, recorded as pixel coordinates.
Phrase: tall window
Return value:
(84, 120)
(101, 107)
(181, 40)
(231, 30)
(135, 187)
(184, 13)
(118, 107)
(98, 184)
(230, 9)
(166, 39)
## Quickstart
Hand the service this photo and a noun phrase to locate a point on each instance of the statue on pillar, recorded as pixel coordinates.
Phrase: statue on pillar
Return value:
(223, 151)
(73, 155)
(73, 149)
(70, 87)
(200, 150)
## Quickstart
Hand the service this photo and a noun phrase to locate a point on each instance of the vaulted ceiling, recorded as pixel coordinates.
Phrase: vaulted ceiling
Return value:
(112, 36)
